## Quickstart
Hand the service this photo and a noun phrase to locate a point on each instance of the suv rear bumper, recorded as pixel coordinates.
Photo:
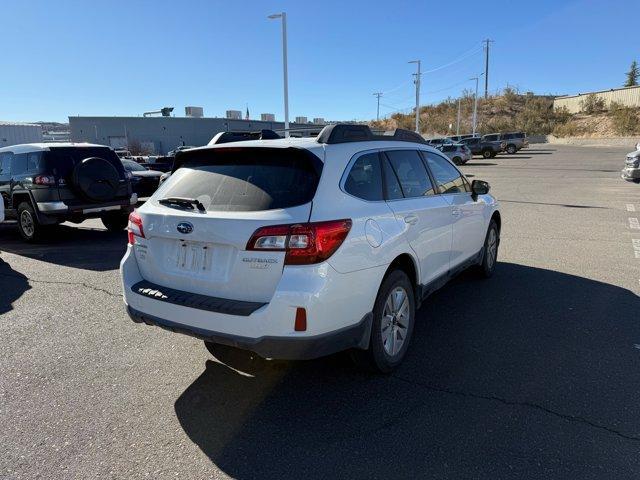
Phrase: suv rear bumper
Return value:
(284, 348)
(61, 209)
(337, 308)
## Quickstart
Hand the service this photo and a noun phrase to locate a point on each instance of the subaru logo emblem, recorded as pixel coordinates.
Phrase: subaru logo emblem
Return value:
(185, 227)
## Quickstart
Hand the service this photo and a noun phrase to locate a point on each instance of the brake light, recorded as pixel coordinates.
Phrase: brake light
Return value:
(44, 180)
(135, 227)
(304, 243)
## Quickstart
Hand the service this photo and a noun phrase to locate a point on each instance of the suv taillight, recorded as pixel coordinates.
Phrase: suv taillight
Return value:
(44, 180)
(304, 243)
(135, 227)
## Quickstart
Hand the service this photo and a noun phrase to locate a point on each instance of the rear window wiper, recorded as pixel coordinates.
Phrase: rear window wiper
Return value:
(182, 202)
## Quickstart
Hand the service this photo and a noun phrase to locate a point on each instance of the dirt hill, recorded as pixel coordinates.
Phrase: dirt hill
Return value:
(512, 111)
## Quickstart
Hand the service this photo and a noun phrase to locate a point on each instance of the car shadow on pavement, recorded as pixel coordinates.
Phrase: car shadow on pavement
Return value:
(523, 373)
(84, 248)
(13, 285)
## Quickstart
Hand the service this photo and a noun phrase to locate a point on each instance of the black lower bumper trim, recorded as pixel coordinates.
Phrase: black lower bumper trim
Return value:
(195, 300)
(284, 348)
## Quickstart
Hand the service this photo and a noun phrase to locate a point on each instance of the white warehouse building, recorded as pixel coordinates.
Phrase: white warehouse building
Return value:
(14, 133)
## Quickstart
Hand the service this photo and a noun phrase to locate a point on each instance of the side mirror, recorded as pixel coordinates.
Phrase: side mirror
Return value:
(479, 187)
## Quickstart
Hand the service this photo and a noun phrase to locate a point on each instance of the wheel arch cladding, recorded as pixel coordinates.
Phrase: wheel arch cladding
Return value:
(405, 263)
(18, 198)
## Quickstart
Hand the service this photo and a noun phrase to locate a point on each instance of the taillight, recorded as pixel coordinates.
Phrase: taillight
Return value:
(135, 227)
(44, 180)
(304, 243)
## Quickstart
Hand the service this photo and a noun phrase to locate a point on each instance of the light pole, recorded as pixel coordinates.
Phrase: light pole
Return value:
(378, 94)
(283, 16)
(475, 103)
(417, 82)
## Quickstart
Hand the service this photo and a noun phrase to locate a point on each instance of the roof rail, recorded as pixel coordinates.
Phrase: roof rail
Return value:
(229, 137)
(348, 132)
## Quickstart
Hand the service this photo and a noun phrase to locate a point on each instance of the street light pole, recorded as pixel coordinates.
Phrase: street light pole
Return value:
(475, 103)
(417, 82)
(283, 16)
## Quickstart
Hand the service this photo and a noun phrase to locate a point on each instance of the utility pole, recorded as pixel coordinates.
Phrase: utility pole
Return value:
(458, 119)
(283, 16)
(486, 67)
(378, 94)
(417, 82)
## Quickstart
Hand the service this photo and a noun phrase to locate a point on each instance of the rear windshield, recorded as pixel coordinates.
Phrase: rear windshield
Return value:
(61, 160)
(245, 179)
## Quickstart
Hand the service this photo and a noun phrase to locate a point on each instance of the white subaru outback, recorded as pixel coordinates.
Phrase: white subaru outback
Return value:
(299, 248)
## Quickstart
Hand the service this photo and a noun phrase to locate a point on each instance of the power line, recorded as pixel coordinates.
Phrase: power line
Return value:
(469, 53)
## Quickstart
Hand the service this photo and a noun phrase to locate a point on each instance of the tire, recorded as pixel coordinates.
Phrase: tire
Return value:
(493, 154)
(457, 161)
(490, 250)
(384, 353)
(487, 153)
(28, 225)
(96, 179)
(115, 222)
(511, 149)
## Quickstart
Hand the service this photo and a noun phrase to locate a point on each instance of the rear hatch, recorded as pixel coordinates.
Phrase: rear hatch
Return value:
(239, 190)
(61, 161)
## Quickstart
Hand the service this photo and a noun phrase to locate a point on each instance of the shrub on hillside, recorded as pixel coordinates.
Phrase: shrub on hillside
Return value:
(592, 104)
(568, 129)
(625, 119)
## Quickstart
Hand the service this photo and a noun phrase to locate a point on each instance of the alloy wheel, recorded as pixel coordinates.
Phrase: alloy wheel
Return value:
(395, 321)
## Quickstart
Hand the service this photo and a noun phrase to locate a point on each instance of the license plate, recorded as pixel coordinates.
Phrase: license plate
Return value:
(193, 256)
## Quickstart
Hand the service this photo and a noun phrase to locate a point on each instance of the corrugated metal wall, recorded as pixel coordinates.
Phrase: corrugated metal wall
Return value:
(629, 97)
(15, 134)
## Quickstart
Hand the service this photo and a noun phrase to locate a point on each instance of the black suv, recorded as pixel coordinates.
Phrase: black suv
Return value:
(46, 184)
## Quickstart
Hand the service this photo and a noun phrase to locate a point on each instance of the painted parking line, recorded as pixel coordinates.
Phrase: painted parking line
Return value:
(631, 207)
(636, 246)
(634, 223)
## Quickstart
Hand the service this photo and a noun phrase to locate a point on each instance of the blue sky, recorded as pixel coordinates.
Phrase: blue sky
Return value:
(125, 57)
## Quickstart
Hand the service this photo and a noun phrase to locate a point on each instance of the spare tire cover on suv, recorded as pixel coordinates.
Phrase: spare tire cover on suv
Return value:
(96, 179)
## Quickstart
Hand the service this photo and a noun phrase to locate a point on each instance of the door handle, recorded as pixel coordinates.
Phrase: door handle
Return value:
(456, 212)
(411, 219)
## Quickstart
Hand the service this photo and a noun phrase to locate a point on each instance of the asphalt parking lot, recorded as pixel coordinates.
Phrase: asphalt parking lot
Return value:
(533, 373)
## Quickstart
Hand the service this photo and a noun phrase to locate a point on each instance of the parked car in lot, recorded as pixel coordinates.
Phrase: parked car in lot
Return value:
(631, 170)
(43, 184)
(482, 147)
(143, 181)
(511, 142)
(458, 153)
(457, 138)
(299, 248)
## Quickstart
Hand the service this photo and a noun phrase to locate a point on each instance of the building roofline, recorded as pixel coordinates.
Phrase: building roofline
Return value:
(597, 91)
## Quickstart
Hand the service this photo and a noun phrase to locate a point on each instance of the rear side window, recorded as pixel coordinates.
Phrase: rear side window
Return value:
(61, 160)
(365, 178)
(447, 177)
(5, 164)
(392, 188)
(413, 177)
(19, 164)
(245, 179)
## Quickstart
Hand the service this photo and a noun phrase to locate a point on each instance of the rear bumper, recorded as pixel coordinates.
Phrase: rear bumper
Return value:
(337, 307)
(59, 208)
(284, 348)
